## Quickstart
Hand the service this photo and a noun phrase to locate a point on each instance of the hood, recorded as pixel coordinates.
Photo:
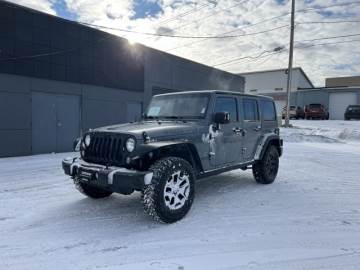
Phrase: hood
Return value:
(154, 129)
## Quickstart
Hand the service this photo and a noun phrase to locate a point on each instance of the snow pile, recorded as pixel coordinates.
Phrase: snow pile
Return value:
(322, 132)
(308, 219)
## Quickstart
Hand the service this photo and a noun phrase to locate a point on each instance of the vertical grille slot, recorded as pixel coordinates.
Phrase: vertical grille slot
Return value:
(105, 149)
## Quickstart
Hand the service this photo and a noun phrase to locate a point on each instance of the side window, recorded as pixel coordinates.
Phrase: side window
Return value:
(251, 112)
(227, 104)
(268, 110)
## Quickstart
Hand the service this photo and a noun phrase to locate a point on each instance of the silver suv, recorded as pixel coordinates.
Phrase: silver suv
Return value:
(182, 137)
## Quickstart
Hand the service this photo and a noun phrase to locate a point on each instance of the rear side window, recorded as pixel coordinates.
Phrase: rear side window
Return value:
(268, 110)
(227, 104)
(251, 112)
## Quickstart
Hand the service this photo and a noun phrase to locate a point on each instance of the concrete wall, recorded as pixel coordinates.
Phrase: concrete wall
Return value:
(273, 81)
(168, 73)
(100, 106)
(342, 81)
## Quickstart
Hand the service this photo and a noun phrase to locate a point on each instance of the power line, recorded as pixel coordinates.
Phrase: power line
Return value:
(253, 57)
(211, 15)
(263, 55)
(181, 15)
(186, 37)
(49, 53)
(229, 32)
(273, 18)
(332, 37)
(193, 10)
(328, 43)
(166, 35)
(181, 36)
(257, 56)
(329, 6)
(329, 22)
(285, 14)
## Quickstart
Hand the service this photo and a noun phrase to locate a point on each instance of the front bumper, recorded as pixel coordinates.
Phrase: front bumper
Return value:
(116, 179)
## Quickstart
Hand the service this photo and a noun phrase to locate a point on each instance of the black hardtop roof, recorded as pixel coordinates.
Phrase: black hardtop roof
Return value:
(222, 92)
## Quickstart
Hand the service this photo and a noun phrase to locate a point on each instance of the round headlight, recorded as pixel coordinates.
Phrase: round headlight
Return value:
(87, 140)
(130, 145)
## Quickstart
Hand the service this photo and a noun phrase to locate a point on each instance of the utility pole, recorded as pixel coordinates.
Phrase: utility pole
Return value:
(291, 53)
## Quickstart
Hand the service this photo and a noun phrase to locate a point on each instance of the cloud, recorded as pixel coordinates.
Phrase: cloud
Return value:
(41, 5)
(205, 17)
(105, 11)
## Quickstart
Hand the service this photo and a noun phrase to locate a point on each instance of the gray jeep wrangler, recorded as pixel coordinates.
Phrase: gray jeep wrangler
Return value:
(182, 137)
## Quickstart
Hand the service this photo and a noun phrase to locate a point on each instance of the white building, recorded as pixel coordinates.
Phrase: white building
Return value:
(273, 83)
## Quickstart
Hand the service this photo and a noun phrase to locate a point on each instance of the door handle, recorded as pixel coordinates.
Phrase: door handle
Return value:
(239, 130)
(258, 128)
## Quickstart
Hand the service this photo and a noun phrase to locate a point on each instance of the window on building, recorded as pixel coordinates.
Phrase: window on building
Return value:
(227, 104)
(250, 107)
(268, 110)
(278, 89)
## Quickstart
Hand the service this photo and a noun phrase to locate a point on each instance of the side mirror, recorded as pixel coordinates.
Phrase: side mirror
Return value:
(222, 118)
(76, 144)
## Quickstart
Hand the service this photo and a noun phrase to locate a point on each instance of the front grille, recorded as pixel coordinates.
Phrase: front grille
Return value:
(105, 149)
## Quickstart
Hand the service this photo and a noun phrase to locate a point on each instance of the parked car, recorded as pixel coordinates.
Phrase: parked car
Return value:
(352, 112)
(295, 112)
(183, 137)
(316, 111)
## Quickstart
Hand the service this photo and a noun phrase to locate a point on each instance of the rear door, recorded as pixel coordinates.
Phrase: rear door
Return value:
(252, 127)
(228, 142)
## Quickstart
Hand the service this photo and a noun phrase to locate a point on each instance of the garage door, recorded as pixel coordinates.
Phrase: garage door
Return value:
(55, 122)
(338, 103)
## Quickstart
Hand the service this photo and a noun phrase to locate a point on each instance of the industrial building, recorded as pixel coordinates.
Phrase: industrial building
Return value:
(337, 95)
(273, 83)
(59, 78)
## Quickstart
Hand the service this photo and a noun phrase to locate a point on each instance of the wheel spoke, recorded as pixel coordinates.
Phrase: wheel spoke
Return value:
(176, 190)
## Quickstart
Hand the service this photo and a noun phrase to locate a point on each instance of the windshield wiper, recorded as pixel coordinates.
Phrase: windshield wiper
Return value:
(151, 117)
(182, 117)
(173, 117)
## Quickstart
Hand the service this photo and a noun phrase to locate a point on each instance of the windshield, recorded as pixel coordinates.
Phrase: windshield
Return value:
(178, 106)
(315, 105)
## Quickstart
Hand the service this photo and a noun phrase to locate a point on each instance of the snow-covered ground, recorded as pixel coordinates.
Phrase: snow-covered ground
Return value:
(308, 219)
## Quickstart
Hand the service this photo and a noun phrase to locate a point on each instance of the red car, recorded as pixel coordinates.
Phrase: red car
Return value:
(316, 111)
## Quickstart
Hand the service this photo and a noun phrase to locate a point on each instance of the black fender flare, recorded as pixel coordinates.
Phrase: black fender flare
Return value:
(151, 151)
(271, 139)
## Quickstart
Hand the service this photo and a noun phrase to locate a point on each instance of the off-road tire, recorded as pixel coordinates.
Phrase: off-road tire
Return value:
(91, 191)
(153, 195)
(265, 170)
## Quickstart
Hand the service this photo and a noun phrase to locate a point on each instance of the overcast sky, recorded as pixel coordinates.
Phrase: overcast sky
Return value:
(231, 17)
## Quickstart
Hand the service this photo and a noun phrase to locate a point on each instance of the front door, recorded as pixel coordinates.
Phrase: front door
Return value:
(68, 122)
(55, 122)
(252, 127)
(227, 139)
